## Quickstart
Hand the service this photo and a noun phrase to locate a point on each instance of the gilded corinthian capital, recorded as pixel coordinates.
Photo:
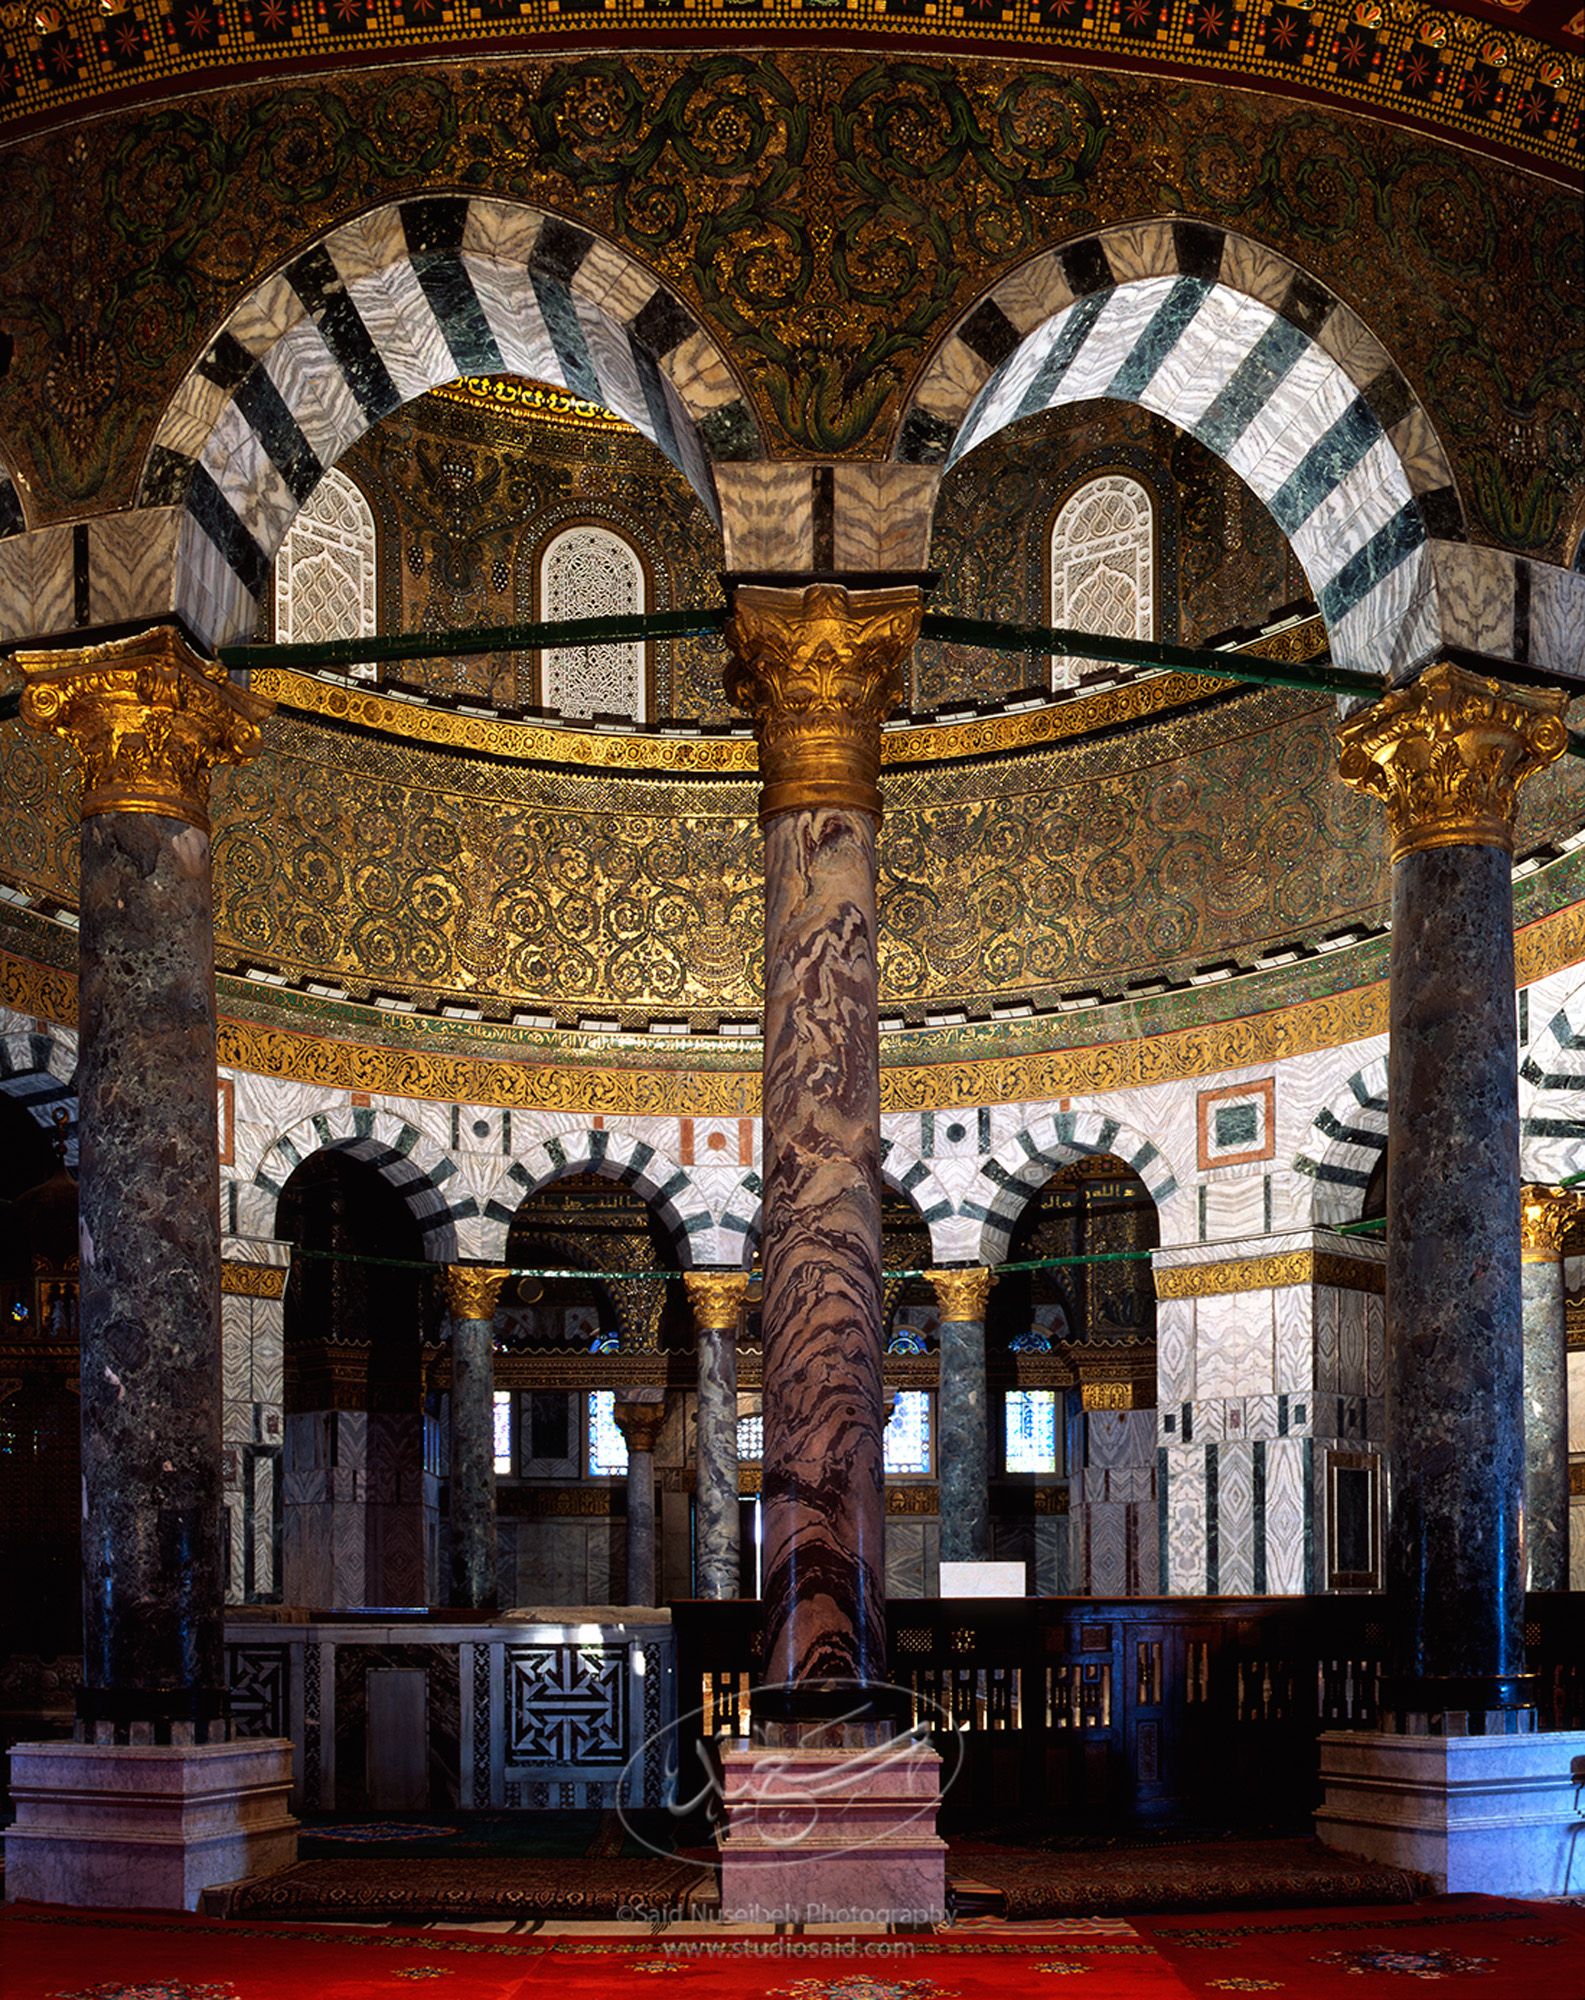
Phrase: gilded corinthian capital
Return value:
(962, 1295)
(1545, 1217)
(716, 1298)
(1447, 755)
(148, 717)
(818, 668)
(473, 1291)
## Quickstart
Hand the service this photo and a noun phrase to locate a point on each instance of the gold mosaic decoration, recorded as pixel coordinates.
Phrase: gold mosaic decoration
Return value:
(1265, 1274)
(253, 1281)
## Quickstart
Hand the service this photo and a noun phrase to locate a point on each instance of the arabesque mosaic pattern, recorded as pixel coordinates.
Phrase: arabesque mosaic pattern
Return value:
(826, 215)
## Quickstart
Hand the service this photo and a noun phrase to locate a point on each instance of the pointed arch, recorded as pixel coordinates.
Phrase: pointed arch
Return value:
(1001, 1190)
(384, 308)
(1261, 363)
(409, 1159)
(618, 1156)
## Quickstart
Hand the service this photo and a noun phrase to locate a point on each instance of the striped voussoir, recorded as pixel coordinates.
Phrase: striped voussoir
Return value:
(1347, 1142)
(1554, 1064)
(1258, 361)
(618, 1156)
(391, 305)
(38, 1069)
(413, 1163)
(737, 1233)
(1002, 1188)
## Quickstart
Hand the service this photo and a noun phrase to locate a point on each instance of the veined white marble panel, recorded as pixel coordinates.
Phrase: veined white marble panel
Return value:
(1285, 1516)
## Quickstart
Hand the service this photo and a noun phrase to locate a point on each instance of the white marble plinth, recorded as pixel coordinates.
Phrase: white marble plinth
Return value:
(832, 1835)
(1481, 1814)
(141, 1828)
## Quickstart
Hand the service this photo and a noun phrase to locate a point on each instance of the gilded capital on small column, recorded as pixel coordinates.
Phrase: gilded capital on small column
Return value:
(819, 668)
(717, 1299)
(473, 1291)
(962, 1295)
(1447, 755)
(1546, 1215)
(640, 1416)
(148, 717)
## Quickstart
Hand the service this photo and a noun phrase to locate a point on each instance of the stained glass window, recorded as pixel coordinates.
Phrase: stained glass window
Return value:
(751, 1438)
(1103, 566)
(607, 1446)
(324, 570)
(590, 572)
(1032, 1430)
(503, 1431)
(906, 1443)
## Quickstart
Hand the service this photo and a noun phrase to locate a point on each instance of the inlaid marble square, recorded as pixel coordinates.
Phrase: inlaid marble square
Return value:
(1237, 1124)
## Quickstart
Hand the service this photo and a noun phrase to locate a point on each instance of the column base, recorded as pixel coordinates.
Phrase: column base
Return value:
(1489, 1815)
(834, 1836)
(145, 1827)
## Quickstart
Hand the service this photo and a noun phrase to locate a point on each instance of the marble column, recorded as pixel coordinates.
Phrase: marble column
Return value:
(964, 1452)
(473, 1292)
(1546, 1215)
(640, 1413)
(818, 667)
(1447, 754)
(717, 1301)
(148, 719)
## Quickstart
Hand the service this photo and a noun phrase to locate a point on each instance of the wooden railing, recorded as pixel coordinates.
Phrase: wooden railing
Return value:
(1130, 1710)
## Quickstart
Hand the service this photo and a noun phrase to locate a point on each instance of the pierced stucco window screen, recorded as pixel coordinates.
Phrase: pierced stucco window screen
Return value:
(1103, 567)
(325, 570)
(591, 572)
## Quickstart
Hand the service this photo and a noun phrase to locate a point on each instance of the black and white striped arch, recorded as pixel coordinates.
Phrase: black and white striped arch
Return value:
(409, 1159)
(389, 306)
(1264, 366)
(1002, 1188)
(619, 1156)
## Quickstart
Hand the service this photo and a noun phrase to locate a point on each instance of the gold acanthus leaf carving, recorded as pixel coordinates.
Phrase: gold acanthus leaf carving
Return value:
(148, 717)
(1447, 755)
(962, 1295)
(473, 1291)
(819, 669)
(1546, 1215)
(716, 1298)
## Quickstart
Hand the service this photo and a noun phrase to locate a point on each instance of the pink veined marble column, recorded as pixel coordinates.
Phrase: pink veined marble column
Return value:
(818, 667)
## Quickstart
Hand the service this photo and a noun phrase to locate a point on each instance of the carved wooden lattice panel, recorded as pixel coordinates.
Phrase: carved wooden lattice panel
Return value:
(567, 1704)
(1102, 566)
(324, 573)
(590, 572)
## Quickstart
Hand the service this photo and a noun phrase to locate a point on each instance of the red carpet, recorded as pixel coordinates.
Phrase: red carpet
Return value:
(1467, 1948)
(51, 1955)
(1457, 1947)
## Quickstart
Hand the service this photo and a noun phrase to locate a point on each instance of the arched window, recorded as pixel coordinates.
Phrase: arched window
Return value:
(1103, 566)
(324, 573)
(590, 572)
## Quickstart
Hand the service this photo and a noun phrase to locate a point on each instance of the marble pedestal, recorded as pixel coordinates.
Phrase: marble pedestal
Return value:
(845, 1836)
(143, 1828)
(1479, 1814)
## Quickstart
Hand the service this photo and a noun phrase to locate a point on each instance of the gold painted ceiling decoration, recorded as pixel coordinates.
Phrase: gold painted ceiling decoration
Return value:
(1473, 73)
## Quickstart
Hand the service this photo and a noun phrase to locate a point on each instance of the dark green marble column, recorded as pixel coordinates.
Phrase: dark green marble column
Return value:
(1546, 1215)
(148, 719)
(1447, 754)
(965, 1447)
(472, 1293)
(640, 1416)
(717, 1301)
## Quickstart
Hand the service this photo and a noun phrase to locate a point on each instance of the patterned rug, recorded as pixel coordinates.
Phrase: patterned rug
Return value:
(409, 1888)
(1201, 1875)
(1450, 1948)
(1460, 1948)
